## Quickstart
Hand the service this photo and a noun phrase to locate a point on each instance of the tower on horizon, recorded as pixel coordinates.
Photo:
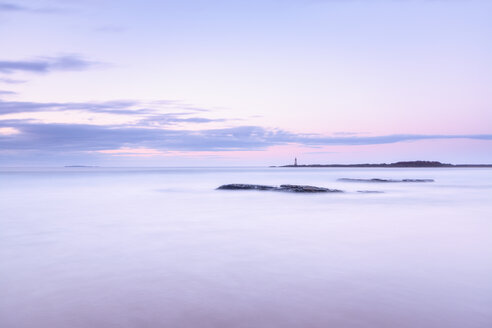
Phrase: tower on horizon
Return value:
(295, 161)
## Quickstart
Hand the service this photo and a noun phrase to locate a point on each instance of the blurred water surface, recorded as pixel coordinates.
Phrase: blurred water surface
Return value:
(160, 247)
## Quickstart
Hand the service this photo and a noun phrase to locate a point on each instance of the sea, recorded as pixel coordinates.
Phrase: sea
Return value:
(97, 247)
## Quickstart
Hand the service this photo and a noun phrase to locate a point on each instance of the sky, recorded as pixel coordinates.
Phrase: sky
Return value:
(244, 82)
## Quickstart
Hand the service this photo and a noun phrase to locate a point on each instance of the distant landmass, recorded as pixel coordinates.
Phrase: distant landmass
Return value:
(397, 164)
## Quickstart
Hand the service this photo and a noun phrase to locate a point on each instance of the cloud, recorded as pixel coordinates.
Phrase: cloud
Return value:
(151, 113)
(346, 133)
(11, 81)
(387, 139)
(46, 64)
(85, 137)
(112, 107)
(110, 29)
(173, 118)
(13, 8)
(7, 92)
(5, 6)
(178, 104)
(160, 131)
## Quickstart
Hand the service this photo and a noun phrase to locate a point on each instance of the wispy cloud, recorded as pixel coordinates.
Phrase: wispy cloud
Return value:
(385, 139)
(11, 81)
(15, 8)
(7, 92)
(146, 114)
(112, 107)
(5, 6)
(152, 113)
(346, 133)
(46, 64)
(110, 29)
(173, 118)
(85, 137)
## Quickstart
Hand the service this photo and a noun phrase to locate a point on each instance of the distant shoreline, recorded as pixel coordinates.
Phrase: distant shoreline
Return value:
(410, 164)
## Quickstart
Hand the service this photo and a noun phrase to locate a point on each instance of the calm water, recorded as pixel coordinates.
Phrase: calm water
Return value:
(159, 248)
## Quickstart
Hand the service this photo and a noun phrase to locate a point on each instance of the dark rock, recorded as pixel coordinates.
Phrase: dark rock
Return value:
(297, 188)
(286, 187)
(240, 186)
(370, 192)
(417, 180)
(385, 180)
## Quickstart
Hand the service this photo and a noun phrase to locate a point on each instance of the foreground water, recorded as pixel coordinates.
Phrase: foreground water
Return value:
(94, 247)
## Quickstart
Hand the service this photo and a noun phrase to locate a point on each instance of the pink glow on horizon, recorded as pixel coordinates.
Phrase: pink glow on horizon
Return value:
(451, 150)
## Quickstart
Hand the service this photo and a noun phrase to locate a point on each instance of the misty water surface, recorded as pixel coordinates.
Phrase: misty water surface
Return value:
(160, 247)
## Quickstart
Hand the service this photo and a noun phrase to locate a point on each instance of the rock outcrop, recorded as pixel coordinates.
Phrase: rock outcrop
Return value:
(385, 180)
(240, 186)
(285, 187)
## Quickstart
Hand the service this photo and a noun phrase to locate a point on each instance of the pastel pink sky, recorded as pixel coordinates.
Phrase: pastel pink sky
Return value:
(244, 82)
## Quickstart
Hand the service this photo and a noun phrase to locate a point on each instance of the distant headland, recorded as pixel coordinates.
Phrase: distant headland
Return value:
(397, 164)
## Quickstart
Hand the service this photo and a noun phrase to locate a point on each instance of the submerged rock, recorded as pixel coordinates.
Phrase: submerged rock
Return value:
(240, 186)
(385, 180)
(370, 192)
(297, 188)
(285, 187)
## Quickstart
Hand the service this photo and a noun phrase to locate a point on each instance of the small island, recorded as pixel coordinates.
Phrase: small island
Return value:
(407, 164)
